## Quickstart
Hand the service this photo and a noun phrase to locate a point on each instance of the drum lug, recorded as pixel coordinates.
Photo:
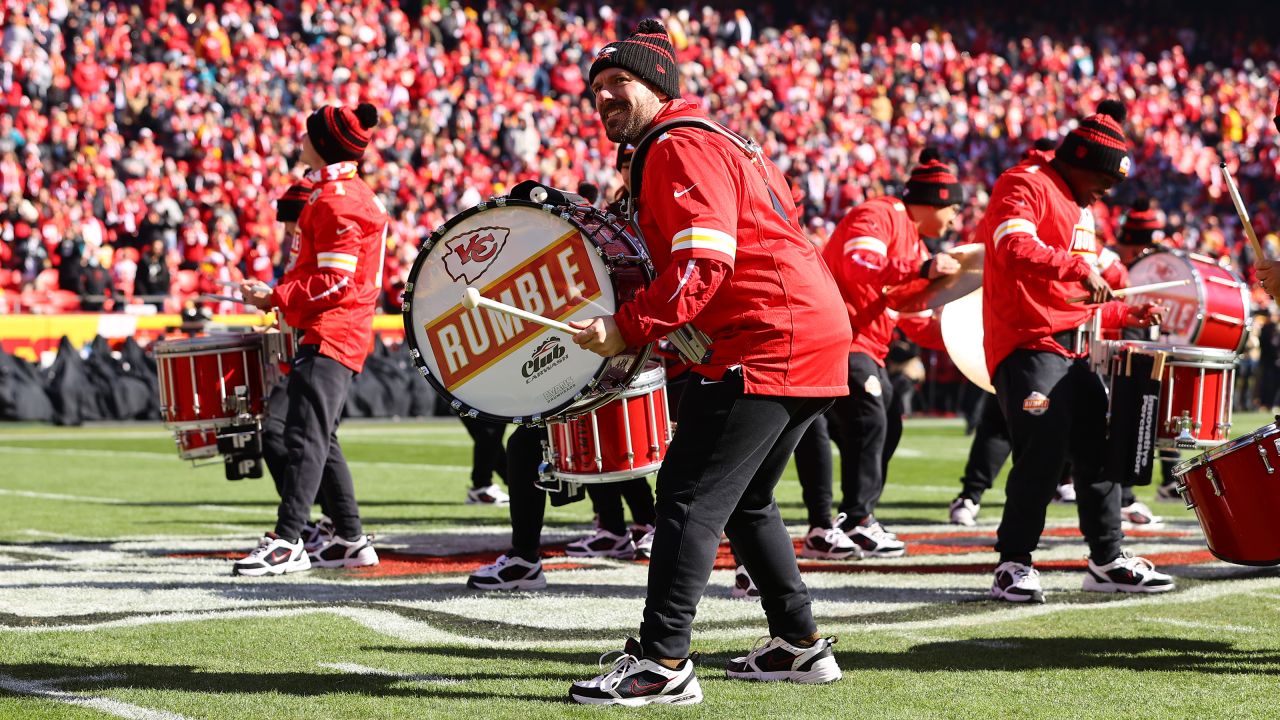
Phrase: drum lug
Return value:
(1183, 425)
(1185, 492)
(1262, 453)
(1213, 479)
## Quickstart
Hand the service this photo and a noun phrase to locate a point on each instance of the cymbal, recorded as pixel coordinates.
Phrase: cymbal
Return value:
(962, 333)
(923, 294)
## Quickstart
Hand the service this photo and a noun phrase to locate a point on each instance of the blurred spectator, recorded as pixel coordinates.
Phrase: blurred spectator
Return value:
(152, 281)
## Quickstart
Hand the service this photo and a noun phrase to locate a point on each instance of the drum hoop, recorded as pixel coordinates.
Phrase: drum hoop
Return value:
(608, 477)
(1225, 448)
(209, 344)
(583, 393)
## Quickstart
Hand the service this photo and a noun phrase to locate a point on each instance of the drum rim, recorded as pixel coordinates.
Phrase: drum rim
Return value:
(205, 343)
(588, 393)
(1190, 259)
(607, 477)
(1226, 448)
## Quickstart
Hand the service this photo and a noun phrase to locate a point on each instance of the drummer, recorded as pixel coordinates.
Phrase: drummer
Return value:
(1040, 241)
(876, 246)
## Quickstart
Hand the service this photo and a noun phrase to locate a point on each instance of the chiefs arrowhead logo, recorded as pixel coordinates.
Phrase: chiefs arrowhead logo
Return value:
(468, 255)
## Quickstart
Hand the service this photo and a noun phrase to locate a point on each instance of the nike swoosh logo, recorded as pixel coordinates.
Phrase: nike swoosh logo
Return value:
(681, 193)
(706, 381)
(343, 230)
(279, 556)
(638, 688)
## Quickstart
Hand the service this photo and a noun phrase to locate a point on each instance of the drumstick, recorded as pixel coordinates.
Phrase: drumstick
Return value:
(471, 298)
(1242, 212)
(227, 283)
(1136, 290)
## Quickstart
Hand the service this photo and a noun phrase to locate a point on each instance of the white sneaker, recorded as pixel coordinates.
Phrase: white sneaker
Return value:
(1066, 493)
(743, 586)
(509, 573)
(603, 543)
(273, 556)
(964, 512)
(776, 659)
(1016, 582)
(872, 541)
(1139, 517)
(642, 535)
(827, 544)
(1127, 573)
(488, 495)
(634, 680)
(338, 552)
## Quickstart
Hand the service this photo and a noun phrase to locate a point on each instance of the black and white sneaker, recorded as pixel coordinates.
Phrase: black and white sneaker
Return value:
(1126, 573)
(273, 556)
(634, 680)
(743, 586)
(338, 552)
(964, 512)
(509, 573)
(642, 536)
(827, 544)
(873, 541)
(603, 543)
(1015, 582)
(775, 659)
(488, 495)
(314, 534)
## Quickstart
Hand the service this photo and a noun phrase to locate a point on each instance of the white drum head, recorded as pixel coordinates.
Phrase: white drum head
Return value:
(503, 367)
(962, 334)
(1182, 303)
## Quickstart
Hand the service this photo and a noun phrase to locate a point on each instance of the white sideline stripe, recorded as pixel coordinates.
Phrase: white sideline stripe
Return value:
(119, 501)
(1191, 624)
(167, 457)
(156, 432)
(355, 669)
(101, 704)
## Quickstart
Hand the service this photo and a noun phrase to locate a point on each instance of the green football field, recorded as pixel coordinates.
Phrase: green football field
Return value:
(116, 600)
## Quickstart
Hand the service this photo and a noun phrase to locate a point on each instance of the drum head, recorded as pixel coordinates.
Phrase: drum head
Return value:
(209, 343)
(962, 335)
(492, 364)
(1182, 303)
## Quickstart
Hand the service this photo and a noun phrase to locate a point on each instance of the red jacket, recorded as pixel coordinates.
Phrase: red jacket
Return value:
(1040, 245)
(736, 269)
(332, 288)
(875, 246)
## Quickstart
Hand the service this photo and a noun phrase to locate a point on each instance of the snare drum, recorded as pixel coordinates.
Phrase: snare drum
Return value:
(1210, 311)
(1235, 492)
(1196, 386)
(196, 444)
(562, 262)
(209, 382)
(621, 440)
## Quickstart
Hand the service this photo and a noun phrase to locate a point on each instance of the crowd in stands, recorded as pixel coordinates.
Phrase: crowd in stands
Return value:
(142, 143)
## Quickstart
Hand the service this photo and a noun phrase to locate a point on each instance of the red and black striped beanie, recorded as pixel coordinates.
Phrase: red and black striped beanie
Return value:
(1141, 224)
(932, 183)
(648, 54)
(1098, 142)
(342, 133)
(289, 205)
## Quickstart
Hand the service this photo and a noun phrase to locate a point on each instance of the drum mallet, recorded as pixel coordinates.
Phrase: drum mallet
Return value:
(471, 299)
(1136, 290)
(1242, 212)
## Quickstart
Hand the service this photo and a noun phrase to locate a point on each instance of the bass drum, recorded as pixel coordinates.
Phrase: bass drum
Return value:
(1210, 311)
(961, 322)
(565, 262)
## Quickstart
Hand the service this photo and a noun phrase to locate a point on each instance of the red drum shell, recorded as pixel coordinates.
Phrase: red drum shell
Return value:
(199, 379)
(1235, 492)
(624, 439)
(196, 444)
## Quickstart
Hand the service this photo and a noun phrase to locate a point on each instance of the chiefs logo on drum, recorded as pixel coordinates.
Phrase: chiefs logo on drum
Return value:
(469, 255)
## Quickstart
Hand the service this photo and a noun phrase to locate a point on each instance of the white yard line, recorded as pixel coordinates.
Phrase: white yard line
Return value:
(117, 708)
(355, 669)
(171, 457)
(61, 497)
(1191, 624)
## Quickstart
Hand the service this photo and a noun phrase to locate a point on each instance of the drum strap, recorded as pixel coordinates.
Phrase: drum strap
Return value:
(693, 344)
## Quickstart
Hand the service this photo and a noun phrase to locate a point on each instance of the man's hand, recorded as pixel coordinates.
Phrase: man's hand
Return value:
(1145, 315)
(1099, 290)
(599, 335)
(1269, 277)
(256, 294)
(943, 264)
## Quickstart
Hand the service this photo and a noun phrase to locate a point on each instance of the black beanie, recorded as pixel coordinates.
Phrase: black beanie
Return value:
(289, 205)
(341, 133)
(1098, 143)
(932, 183)
(648, 54)
(1140, 225)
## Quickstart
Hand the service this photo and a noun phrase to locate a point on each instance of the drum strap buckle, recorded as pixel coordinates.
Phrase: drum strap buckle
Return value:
(693, 345)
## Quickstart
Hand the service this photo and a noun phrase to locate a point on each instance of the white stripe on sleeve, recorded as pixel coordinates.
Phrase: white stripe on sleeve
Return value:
(866, 242)
(696, 238)
(1016, 225)
(337, 261)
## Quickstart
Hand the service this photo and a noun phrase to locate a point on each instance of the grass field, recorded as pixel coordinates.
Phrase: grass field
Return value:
(116, 601)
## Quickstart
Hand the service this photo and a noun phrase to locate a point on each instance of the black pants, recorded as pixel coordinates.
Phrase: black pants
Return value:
(274, 451)
(870, 419)
(988, 452)
(814, 467)
(487, 455)
(1056, 411)
(607, 498)
(528, 503)
(317, 391)
(719, 474)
